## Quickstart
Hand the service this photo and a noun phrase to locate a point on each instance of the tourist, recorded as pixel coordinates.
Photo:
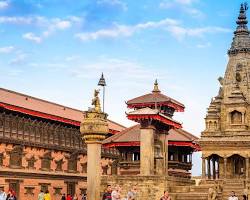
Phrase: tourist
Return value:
(47, 196)
(75, 197)
(233, 196)
(3, 195)
(107, 193)
(69, 197)
(41, 195)
(84, 197)
(245, 197)
(63, 197)
(12, 197)
(116, 195)
(132, 193)
(166, 196)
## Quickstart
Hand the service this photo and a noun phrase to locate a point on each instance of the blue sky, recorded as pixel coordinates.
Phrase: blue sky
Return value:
(57, 49)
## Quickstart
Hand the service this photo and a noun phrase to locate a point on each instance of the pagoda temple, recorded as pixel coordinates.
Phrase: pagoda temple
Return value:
(180, 143)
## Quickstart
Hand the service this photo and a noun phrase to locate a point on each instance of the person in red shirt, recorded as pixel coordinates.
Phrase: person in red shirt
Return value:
(69, 197)
(107, 194)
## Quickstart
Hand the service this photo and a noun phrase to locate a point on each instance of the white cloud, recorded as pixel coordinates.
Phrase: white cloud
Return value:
(32, 37)
(4, 4)
(7, 49)
(180, 32)
(16, 20)
(172, 26)
(124, 30)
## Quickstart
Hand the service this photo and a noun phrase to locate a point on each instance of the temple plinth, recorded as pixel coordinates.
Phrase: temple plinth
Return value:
(94, 129)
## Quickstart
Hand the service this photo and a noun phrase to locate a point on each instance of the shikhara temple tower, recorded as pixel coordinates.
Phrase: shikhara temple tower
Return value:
(225, 143)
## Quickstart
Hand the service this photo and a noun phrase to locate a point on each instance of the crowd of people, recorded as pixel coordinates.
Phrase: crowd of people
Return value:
(46, 196)
(10, 196)
(115, 194)
(132, 194)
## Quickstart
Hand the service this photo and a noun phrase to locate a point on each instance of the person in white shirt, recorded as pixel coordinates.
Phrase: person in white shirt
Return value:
(116, 195)
(233, 196)
(3, 195)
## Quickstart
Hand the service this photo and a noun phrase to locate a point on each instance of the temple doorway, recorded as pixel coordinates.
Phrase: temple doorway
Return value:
(238, 166)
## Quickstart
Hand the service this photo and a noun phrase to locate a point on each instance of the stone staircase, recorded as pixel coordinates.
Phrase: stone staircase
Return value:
(200, 192)
(193, 192)
(236, 185)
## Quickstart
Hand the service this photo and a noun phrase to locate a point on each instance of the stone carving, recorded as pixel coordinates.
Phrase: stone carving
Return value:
(236, 117)
(94, 126)
(212, 194)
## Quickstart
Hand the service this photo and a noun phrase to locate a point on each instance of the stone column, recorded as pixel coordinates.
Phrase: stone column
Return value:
(247, 168)
(225, 168)
(94, 129)
(208, 168)
(93, 170)
(203, 168)
(147, 151)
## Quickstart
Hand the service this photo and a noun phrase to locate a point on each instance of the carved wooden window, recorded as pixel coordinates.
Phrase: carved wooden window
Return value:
(46, 161)
(84, 167)
(105, 170)
(29, 190)
(1, 124)
(31, 162)
(236, 117)
(7, 126)
(1, 159)
(20, 128)
(44, 186)
(57, 191)
(59, 164)
(16, 157)
(72, 162)
(71, 188)
(114, 167)
(14, 127)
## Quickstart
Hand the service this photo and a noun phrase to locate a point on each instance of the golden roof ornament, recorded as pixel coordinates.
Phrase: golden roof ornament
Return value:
(156, 88)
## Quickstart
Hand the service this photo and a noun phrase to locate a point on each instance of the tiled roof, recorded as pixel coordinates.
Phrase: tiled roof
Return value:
(45, 107)
(153, 97)
(132, 134)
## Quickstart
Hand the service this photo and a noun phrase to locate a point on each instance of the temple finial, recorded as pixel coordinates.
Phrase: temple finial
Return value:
(242, 20)
(156, 88)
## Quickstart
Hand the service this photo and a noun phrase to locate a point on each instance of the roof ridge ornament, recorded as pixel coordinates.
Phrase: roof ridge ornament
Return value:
(156, 88)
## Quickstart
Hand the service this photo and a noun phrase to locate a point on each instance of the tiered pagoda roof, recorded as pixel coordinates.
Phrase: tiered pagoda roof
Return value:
(36, 107)
(155, 108)
(155, 98)
(131, 137)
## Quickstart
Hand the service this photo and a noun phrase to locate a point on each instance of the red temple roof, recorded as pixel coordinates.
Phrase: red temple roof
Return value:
(148, 113)
(33, 106)
(131, 137)
(155, 98)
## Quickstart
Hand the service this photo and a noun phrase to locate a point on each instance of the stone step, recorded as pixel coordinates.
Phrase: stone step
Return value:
(190, 196)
